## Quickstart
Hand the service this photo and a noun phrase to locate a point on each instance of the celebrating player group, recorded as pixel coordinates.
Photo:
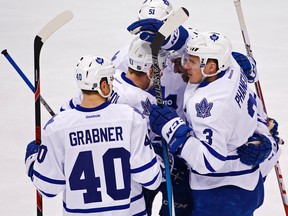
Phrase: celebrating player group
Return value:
(105, 149)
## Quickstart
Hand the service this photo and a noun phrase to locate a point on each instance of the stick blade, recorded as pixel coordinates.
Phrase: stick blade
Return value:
(56, 23)
(169, 26)
(174, 21)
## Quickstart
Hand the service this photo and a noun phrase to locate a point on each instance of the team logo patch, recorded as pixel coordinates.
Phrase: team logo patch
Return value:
(138, 111)
(146, 105)
(203, 108)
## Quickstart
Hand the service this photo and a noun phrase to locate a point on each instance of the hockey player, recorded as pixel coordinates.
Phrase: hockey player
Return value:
(132, 88)
(96, 153)
(222, 113)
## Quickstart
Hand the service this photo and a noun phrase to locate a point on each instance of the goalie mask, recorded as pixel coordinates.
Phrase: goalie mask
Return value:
(209, 45)
(90, 70)
(158, 9)
(140, 58)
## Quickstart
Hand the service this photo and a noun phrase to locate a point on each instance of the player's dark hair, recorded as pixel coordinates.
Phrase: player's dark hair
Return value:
(91, 92)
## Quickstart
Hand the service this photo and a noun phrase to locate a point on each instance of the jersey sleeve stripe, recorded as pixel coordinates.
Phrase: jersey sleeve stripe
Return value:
(213, 152)
(232, 173)
(152, 181)
(208, 165)
(100, 209)
(232, 157)
(49, 180)
(145, 167)
(261, 121)
(47, 194)
(133, 199)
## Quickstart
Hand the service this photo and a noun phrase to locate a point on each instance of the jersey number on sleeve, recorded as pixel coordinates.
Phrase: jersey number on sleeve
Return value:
(117, 178)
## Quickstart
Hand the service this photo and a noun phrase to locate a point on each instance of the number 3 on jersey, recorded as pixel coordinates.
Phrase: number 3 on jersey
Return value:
(83, 175)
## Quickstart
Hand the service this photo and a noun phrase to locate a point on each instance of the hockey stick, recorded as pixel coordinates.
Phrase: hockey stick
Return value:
(39, 40)
(26, 80)
(244, 32)
(172, 23)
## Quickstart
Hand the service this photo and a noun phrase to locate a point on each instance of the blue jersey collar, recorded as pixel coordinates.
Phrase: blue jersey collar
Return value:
(123, 76)
(83, 109)
(205, 83)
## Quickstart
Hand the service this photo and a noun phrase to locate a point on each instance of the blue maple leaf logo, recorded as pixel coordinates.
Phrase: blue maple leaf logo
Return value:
(146, 106)
(203, 108)
(214, 37)
(99, 60)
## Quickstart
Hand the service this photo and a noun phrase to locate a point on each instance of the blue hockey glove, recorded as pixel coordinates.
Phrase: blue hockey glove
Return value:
(147, 29)
(247, 64)
(166, 122)
(273, 129)
(255, 150)
(30, 157)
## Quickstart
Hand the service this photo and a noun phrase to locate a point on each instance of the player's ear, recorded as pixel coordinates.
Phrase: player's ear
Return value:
(104, 86)
(212, 67)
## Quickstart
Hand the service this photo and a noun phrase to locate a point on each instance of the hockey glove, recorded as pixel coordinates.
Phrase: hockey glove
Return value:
(180, 172)
(178, 168)
(30, 157)
(255, 150)
(273, 129)
(247, 64)
(166, 122)
(148, 28)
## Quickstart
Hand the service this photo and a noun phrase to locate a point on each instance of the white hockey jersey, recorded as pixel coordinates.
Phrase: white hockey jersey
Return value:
(95, 156)
(223, 115)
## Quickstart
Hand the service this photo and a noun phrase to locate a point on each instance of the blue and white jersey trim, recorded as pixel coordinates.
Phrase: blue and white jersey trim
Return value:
(97, 210)
(231, 173)
(49, 180)
(145, 167)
